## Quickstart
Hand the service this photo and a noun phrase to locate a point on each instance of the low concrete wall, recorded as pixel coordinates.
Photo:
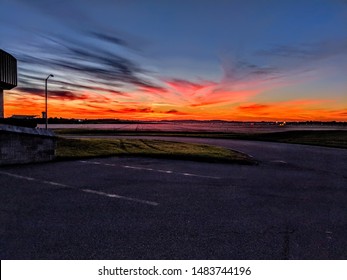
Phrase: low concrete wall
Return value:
(25, 145)
(1, 103)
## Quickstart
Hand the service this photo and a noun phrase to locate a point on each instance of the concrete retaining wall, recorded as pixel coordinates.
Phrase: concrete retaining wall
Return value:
(25, 145)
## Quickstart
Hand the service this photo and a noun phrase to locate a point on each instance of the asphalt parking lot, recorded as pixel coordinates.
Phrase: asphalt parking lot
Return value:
(293, 205)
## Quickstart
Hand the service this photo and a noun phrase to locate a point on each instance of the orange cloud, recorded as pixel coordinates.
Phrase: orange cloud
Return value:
(179, 99)
(293, 110)
(175, 112)
(253, 107)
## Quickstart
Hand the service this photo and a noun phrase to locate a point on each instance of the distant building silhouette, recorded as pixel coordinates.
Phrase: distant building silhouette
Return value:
(24, 117)
(8, 76)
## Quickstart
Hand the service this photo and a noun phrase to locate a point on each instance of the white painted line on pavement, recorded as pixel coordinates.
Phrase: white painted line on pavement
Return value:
(139, 168)
(201, 176)
(55, 184)
(278, 161)
(17, 176)
(121, 197)
(164, 171)
(110, 195)
(93, 162)
(150, 169)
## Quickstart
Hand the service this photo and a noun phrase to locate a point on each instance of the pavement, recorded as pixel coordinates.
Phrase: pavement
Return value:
(293, 205)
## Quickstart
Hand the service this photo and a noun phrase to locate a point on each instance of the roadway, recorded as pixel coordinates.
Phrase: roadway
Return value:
(293, 205)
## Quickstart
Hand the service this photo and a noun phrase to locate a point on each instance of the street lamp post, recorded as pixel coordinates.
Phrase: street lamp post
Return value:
(46, 96)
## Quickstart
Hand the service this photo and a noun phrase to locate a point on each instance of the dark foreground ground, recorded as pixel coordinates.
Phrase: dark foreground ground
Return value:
(293, 205)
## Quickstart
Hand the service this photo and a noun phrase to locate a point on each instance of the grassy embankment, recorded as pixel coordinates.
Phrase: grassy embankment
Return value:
(333, 138)
(84, 148)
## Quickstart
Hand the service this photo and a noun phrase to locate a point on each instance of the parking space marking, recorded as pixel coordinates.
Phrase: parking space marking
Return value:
(110, 195)
(55, 184)
(17, 176)
(278, 161)
(150, 169)
(138, 168)
(120, 197)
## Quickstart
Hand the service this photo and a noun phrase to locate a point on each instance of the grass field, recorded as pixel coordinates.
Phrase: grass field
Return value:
(84, 148)
(328, 138)
(334, 138)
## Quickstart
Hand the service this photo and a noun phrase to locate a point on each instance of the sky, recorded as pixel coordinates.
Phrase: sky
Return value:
(241, 60)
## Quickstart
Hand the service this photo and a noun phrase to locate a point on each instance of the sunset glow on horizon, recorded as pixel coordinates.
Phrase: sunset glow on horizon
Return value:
(161, 60)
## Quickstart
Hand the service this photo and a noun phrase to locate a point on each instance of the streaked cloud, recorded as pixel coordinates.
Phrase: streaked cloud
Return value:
(139, 60)
(308, 51)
